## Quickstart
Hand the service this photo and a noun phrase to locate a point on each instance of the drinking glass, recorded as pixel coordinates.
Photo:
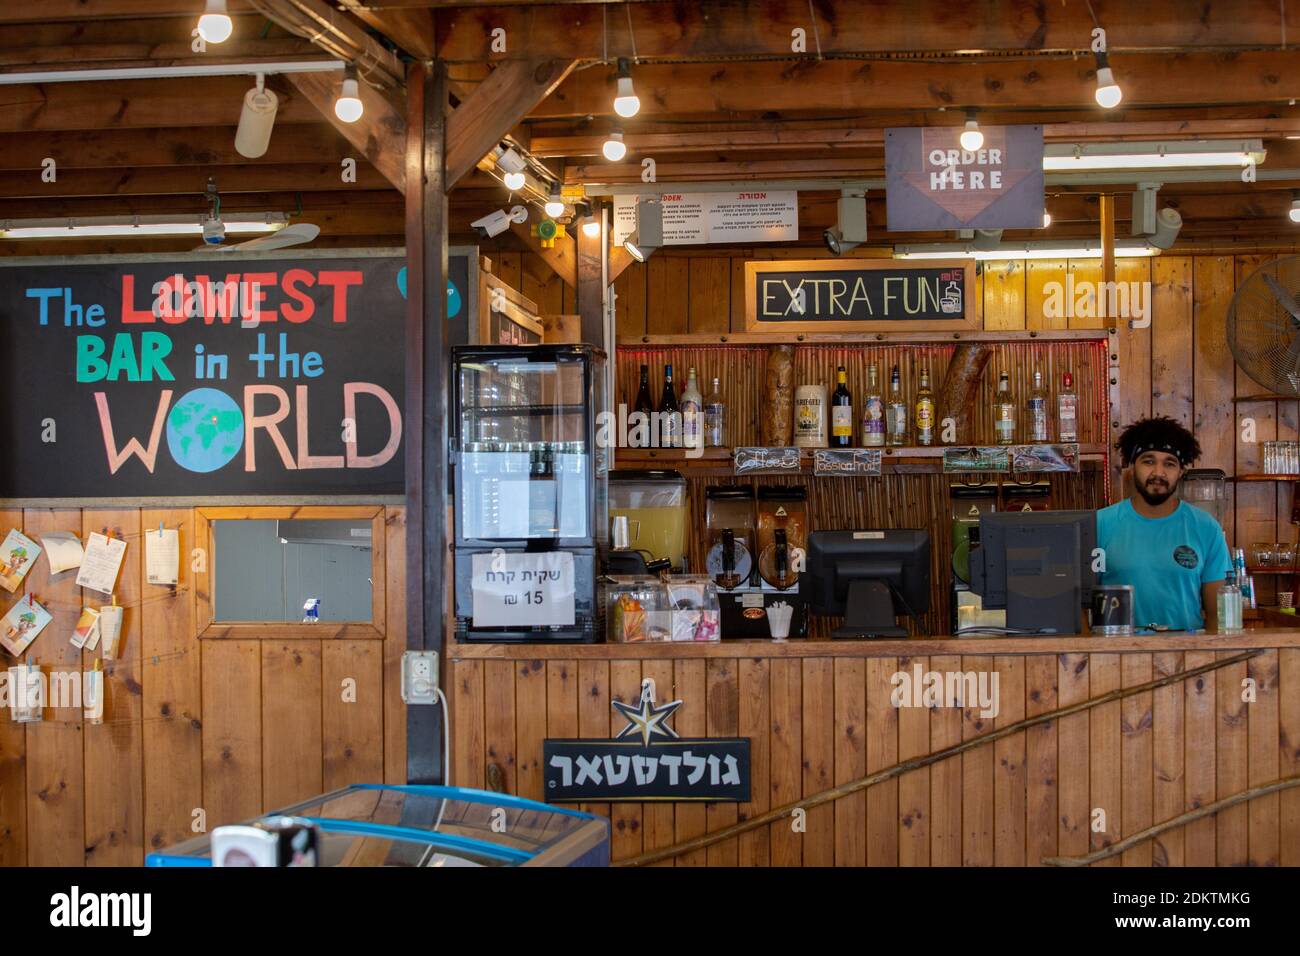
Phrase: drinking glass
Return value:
(1261, 554)
(1270, 457)
(1284, 555)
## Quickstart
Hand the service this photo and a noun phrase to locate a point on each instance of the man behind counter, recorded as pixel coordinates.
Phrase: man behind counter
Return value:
(1172, 553)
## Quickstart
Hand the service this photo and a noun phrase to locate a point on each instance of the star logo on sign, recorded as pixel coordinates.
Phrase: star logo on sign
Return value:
(645, 718)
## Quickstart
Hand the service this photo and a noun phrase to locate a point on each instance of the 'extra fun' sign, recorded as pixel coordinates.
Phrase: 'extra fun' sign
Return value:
(217, 375)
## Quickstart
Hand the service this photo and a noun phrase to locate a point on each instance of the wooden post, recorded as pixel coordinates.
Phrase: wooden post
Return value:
(591, 289)
(426, 397)
(1107, 239)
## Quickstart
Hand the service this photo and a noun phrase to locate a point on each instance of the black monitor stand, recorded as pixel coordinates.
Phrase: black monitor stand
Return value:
(869, 612)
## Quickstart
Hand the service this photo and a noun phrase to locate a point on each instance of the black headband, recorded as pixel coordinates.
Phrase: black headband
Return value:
(1180, 453)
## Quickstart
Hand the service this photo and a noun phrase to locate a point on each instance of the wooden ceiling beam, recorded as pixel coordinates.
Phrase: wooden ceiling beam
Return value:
(46, 11)
(380, 134)
(765, 87)
(496, 105)
(412, 30)
(562, 257)
(729, 28)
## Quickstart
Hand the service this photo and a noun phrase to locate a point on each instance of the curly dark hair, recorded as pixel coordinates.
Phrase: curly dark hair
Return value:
(1159, 434)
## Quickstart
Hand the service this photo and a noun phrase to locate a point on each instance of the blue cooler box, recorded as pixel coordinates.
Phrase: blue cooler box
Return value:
(381, 825)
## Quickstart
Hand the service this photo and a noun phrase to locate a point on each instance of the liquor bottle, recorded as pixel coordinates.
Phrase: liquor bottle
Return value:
(715, 418)
(1067, 411)
(1036, 406)
(692, 403)
(897, 411)
(873, 413)
(646, 406)
(670, 419)
(841, 412)
(924, 410)
(1004, 412)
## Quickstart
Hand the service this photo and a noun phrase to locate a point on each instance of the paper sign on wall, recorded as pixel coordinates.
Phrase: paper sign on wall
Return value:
(162, 555)
(699, 218)
(102, 562)
(523, 590)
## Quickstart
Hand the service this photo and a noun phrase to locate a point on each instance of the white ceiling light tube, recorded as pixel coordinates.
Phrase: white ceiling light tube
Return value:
(626, 102)
(182, 71)
(1044, 249)
(126, 226)
(348, 107)
(972, 138)
(1174, 154)
(1108, 94)
(215, 25)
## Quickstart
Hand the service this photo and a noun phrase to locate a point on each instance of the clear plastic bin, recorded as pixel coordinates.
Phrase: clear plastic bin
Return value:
(681, 608)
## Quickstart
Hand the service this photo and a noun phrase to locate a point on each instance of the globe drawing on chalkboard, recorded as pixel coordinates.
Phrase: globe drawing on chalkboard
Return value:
(205, 429)
(453, 294)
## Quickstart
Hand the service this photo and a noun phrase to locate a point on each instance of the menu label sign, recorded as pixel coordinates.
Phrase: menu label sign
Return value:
(699, 218)
(932, 183)
(522, 590)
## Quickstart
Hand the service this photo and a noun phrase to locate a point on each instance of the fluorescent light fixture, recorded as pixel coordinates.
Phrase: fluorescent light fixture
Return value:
(614, 148)
(1108, 94)
(215, 25)
(554, 202)
(1175, 154)
(348, 107)
(1039, 249)
(127, 226)
(170, 72)
(626, 102)
(256, 120)
(971, 137)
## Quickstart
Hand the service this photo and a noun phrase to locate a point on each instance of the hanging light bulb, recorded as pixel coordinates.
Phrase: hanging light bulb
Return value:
(1047, 218)
(591, 228)
(348, 106)
(614, 148)
(555, 203)
(626, 102)
(1295, 206)
(512, 165)
(971, 137)
(215, 25)
(1108, 92)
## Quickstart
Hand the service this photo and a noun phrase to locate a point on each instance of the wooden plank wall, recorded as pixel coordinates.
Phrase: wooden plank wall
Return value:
(195, 733)
(817, 722)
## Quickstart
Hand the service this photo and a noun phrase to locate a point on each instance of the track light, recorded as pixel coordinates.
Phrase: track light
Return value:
(555, 203)
(649, 233)
(626, 102)
(256, 120)
(614, 148)
(971, 137)
(348, 106)
(215, 25)
(1168, 223)
(850, 227)
(1108, 93)
(1295, 206)
(987, 240)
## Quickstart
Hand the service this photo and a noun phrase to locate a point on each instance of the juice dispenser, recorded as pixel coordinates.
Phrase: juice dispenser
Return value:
(654, 503)
(729, 523)
(782, 531)
(1206, 488)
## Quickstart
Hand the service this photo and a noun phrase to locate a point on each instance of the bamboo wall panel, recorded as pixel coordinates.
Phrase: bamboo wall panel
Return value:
(195, 733)
(814, 722)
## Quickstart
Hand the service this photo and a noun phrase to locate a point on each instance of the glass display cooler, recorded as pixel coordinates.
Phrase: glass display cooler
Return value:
(530, 492)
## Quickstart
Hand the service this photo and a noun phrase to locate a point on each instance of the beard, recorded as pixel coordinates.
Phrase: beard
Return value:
(1156, 491)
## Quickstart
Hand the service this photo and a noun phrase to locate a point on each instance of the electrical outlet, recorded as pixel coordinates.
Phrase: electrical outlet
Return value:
(420, 677)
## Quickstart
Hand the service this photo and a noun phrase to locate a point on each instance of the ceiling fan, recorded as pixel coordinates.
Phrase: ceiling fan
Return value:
(214, 231)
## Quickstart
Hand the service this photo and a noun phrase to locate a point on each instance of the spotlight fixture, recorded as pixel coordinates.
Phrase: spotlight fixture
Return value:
(971, 137)
(513, 166)
(1047, 218)
(614, 147)
(348, 106)
(1108, 93)
(649, 233)
(987, 240)
(1168, 223)
(555, 202)
(256, 120)
(850, 227)
(626, 102)
(1295, 206)
(215, 25)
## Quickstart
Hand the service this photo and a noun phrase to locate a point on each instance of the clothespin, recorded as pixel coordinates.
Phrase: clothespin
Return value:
(99, 664)
(160, 527)
(107, 533)
(30, 599)
(113, 597)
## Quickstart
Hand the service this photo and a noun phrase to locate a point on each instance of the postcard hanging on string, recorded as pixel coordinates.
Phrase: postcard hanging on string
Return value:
(63, 550)
(17, 555)
(162, 556)
(86, 633)
(22, 624)
(110, 628)
(102, 562)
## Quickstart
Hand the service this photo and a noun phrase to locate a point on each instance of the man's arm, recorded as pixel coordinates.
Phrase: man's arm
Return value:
(1210, 603)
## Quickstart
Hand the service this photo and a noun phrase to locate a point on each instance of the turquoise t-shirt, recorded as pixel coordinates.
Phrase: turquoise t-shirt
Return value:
(1165, 559)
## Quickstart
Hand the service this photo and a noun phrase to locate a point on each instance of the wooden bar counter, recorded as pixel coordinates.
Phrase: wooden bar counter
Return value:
(819, 714)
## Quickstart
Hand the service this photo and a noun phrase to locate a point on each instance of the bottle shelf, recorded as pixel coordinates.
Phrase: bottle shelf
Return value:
(1271, 570)
(1264, 477)
(923, 458)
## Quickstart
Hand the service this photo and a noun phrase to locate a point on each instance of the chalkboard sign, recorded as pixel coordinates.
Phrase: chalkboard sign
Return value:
(825, 295)
(221, 374)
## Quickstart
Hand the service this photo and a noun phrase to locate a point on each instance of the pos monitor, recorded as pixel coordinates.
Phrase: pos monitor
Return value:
(1037, 565)
(870, 577)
